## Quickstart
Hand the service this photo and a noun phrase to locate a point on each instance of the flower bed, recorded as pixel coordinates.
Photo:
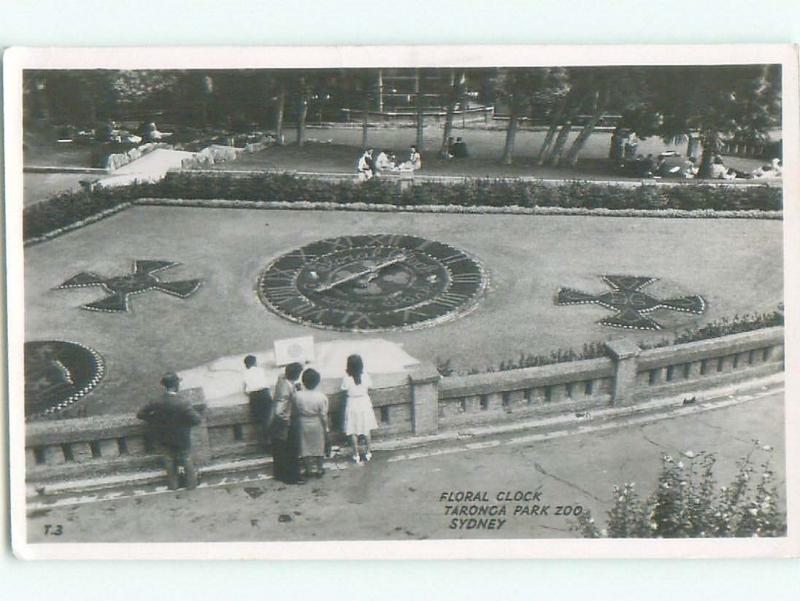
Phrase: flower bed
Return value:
(592, 350)
(477, 196)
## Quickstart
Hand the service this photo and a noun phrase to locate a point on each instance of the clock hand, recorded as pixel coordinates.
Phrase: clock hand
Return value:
(362, 273)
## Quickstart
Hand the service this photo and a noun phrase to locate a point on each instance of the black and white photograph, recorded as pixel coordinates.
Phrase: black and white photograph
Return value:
(402, 302)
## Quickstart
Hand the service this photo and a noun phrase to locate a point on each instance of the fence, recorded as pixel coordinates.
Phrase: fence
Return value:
(78, 449)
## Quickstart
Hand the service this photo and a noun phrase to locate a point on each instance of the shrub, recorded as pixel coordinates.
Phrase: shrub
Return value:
(688, 504)
(592, 350)
(725, 326)
(73, 207)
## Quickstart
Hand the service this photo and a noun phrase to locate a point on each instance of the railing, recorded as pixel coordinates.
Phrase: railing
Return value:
(517, 393)
(710, 362)
(76, 449)
(86, 447)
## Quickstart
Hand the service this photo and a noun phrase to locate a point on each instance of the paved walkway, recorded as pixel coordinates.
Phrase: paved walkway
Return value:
(403, 495)
(150, 168)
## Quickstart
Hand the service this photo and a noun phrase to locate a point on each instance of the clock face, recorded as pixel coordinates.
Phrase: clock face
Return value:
(372, 282)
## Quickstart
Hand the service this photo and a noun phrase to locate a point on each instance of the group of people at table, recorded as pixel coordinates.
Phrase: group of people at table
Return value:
(369, 165)
(292, 418)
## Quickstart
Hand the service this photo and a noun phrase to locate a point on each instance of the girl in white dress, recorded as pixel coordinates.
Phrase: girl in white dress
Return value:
(359, 417)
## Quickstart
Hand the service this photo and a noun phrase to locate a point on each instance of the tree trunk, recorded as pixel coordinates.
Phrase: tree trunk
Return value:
(444, 152)
(279, 114)
(365, 122)
(511, 136)
(420, 112)
(301, 119)
(598, 110)
(551, 132)
(561, 142)
(711, 144)
(583, 137)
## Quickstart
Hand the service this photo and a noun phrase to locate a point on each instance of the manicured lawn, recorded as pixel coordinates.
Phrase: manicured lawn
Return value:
(41, 186)
(736, 265)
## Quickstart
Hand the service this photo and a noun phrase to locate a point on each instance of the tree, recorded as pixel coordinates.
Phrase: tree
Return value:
(729, 101)
(621, 89)
(419, 100)
(302, 93)
(517, 87)
(281, 83)
(455, 93)
(77, 96)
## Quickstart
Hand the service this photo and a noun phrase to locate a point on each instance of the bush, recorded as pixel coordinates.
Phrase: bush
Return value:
(725, 327)
(688, 504)
(69, 208)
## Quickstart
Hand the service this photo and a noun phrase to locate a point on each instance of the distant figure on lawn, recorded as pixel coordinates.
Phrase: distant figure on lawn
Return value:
(384, 163)
(283, 428)
(645, 166)
(414, 162)
(631, 145)
(450, 143)
(170, 420)
(720, 171)
(150, 133)
(312, 413)
(366, 166)
(359, 416)
(256, 387)
(459, 150)
(689, 168)
(771, 171)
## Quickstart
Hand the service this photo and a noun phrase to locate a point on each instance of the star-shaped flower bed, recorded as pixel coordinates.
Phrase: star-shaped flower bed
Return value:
(629, 303)
(121, 287)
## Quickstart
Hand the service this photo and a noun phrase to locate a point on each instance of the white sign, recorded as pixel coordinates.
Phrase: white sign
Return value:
(291, 350)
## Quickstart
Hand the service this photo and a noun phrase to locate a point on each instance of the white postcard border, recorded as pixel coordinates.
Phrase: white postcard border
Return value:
(17, 59)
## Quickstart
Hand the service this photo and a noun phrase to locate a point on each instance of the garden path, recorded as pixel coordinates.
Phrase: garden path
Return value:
(150, 168)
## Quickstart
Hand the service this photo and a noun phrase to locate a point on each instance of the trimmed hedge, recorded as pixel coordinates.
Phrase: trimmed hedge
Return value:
(73, 207)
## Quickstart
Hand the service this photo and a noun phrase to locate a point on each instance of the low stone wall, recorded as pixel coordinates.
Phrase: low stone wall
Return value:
(117, 160)
(508, 395)
(97, 446)
(218, 153)
(77, 449)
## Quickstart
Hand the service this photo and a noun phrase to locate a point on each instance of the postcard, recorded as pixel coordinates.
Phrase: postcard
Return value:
(402, 302)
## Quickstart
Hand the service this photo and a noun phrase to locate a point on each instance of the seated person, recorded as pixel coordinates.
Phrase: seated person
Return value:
(150, 133)
(365, 166)
(384, 163)
(459, 149)
(718, 169)
(450, 143)
(645, 167)
(771, 171)
(670, 166)
(689, 168)
(414, 162)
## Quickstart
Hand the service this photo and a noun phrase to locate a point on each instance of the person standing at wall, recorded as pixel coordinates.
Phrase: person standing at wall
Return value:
(257, 390)
(312, 413)
(282, 427)
(359, 416)
(170, 420)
